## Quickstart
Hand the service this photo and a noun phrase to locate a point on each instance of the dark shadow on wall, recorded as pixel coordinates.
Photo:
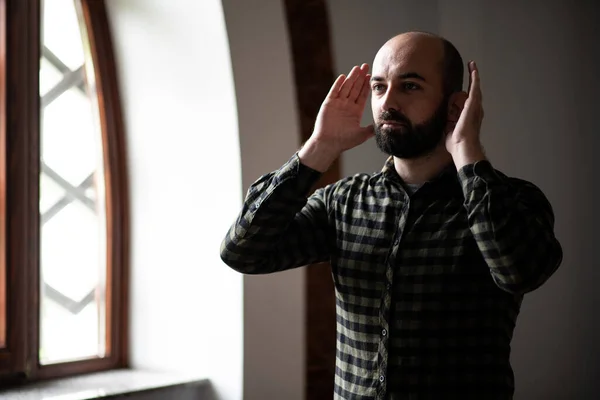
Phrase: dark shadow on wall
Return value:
(308, 25)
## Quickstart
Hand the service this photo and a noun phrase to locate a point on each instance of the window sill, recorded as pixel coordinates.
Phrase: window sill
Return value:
(134, 384)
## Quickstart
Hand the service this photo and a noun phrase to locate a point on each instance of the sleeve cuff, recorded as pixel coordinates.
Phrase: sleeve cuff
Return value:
(481, 169)
(479, 175)
(304, 176)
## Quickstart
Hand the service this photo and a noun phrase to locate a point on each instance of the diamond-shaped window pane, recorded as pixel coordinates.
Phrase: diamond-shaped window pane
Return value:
(72, 248)
(70, 140)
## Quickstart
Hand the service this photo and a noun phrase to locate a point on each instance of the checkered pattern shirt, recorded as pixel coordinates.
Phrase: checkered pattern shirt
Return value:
(428, 286)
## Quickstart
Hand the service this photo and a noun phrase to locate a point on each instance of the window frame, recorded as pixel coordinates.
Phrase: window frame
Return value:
(3, 333)
(20, 51)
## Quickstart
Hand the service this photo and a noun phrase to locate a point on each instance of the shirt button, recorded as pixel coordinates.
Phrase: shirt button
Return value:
(381, 378)
(384, 332)
(388, 286)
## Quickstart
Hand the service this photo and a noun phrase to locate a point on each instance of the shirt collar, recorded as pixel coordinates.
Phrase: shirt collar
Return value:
(389, 171)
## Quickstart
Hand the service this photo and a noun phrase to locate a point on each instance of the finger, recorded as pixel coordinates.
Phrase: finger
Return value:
(357, 88)
(334, 92)
(349, 83)
(470, 67)
(364, 92)
(364, 69)
(475, 85)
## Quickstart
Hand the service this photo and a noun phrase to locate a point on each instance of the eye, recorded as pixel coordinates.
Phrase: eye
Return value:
(410, 86)
(378, 87)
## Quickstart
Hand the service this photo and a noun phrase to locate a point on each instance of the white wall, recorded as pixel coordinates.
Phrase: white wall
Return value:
(181, 124)
(539, 63)
(274, 349)
(186, 153)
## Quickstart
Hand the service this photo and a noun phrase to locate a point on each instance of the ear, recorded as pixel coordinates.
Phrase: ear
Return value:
(456, 103)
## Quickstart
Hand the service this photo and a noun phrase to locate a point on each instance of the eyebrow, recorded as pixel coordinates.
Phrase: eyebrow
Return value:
(408, 75)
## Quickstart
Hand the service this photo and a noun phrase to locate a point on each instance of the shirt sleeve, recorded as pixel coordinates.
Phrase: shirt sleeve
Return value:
(279, 226)
(513, 225)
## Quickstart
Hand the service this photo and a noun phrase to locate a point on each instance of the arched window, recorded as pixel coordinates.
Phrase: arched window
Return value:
(63, 192)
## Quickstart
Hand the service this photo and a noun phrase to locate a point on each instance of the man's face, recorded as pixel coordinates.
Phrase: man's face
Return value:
(409, 108)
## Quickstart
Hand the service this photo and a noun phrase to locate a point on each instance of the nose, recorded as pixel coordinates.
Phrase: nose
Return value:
(388, 101)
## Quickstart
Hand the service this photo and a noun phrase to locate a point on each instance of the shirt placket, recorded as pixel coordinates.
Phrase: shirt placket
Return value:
(386, 300)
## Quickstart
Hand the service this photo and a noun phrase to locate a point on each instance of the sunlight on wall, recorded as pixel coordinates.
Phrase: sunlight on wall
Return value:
(181, 123)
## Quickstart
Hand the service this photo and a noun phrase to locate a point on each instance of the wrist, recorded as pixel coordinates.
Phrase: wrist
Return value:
(318, 155)
(467, 153)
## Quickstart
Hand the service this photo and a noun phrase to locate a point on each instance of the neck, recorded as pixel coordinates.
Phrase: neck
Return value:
(423, 169)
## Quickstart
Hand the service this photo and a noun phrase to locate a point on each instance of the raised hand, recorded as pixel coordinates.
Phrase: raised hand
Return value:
(337, 127)
(463, 140)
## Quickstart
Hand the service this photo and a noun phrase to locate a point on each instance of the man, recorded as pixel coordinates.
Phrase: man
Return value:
(430, 257)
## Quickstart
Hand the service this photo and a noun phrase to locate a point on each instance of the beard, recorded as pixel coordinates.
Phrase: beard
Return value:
(411, 140)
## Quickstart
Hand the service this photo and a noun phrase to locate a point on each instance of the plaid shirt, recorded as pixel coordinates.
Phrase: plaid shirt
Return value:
(428, 286)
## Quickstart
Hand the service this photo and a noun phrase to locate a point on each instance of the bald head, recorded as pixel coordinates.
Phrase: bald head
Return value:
(415, 41)
(421, 48)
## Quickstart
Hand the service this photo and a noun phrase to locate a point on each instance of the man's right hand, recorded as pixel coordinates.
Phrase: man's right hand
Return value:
(337, 127)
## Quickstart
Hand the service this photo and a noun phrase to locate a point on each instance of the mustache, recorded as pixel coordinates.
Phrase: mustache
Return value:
(393, 115)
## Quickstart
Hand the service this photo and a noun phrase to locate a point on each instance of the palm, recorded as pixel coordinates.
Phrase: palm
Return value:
(340, 117)
(338, 122)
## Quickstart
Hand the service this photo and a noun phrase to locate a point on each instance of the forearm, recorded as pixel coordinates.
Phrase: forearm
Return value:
(468, 153)
(318, 155)
(276, 228)
(513, 226)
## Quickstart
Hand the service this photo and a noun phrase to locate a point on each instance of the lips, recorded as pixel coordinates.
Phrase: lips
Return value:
(392, 123)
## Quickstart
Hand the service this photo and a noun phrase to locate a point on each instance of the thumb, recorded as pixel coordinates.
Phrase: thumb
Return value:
(368, 131)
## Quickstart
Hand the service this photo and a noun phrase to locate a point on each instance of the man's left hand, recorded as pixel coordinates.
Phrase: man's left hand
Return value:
(462, 140)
